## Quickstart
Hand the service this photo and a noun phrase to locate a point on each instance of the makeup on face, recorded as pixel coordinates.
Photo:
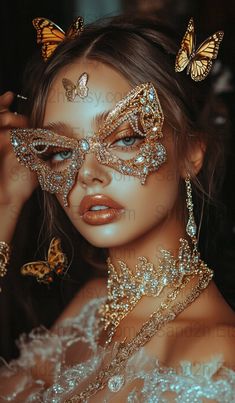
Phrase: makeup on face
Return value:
(127, 141)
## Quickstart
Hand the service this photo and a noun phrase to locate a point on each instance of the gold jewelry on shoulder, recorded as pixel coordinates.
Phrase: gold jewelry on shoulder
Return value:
(4, 258)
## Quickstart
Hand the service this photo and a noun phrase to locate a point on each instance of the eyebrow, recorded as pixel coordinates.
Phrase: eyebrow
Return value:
(100, 118)
(59, 128)
(65, 129)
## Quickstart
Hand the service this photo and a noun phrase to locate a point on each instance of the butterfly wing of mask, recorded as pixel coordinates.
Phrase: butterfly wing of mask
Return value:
(186, 48)
(82, 89)
(202, 61)
(44, 271)
(70, 89)
(49, 35)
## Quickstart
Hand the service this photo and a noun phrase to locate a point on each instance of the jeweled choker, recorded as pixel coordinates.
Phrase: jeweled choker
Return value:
(126, 288)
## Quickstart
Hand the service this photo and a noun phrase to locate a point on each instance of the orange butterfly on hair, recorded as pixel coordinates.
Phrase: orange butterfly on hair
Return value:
(51, 35)
(45, 271)
(198, 62)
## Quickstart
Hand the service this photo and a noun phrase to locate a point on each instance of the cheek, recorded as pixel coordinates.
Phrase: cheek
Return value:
(71, 211)
(153, 201)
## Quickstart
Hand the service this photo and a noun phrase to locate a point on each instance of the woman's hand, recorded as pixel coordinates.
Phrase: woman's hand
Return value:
(16, 181)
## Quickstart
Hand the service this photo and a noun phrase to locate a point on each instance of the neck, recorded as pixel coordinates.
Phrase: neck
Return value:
(166, 235)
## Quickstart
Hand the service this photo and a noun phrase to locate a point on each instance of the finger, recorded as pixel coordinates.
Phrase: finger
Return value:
(10, 120)
(6, 100)
(20, 120)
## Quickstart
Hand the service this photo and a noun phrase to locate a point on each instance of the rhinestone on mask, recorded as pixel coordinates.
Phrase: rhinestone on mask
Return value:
(84, 145)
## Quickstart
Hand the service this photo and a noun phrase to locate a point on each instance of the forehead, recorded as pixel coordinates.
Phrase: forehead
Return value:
(106, 87)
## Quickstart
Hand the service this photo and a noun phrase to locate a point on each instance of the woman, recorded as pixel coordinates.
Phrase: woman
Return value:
(116, 141)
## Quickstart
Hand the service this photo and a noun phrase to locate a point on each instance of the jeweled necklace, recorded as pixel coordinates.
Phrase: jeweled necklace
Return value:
(126, 288)
(112, 374)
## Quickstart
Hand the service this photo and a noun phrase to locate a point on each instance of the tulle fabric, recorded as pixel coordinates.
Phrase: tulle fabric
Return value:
(54, 365)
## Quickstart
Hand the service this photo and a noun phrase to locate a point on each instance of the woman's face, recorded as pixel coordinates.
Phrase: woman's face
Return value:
(143, 207)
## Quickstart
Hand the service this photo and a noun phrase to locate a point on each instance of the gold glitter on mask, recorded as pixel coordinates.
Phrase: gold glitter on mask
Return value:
(38, 149)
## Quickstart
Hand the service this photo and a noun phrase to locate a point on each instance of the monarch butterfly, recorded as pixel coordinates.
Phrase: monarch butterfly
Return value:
(44, 271)
(198, 62)
(50, 35)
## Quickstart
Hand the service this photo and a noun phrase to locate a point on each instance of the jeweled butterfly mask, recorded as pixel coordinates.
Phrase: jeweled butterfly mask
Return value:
(57, 159)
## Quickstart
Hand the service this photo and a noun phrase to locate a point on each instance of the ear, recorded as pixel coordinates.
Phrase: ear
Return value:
(194, 159)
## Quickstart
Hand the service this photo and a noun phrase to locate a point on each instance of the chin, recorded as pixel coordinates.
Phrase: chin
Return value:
(105, 239)
(104, 243)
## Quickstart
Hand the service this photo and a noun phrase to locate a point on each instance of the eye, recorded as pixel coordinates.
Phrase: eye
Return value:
(128, 142)
(53, 155)
(61, 156)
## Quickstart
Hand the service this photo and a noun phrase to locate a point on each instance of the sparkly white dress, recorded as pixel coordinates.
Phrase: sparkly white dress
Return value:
(28, 379)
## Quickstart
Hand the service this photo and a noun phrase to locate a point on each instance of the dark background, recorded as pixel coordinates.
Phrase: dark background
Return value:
(19, 312)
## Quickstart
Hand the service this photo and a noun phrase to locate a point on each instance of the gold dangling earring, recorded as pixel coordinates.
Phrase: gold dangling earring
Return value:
(191, 227)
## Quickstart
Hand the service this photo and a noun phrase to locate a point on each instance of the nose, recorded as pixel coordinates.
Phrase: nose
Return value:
(92, 172)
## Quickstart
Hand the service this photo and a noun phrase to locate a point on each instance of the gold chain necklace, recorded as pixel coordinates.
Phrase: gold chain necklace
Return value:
(112, 375)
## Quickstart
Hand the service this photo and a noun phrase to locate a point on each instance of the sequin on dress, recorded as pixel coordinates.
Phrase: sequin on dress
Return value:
(52, 367)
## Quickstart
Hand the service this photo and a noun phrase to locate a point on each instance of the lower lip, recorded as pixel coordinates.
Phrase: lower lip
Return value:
(100, 217)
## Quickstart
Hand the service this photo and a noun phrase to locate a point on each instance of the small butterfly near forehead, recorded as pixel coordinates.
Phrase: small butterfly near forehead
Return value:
(80, 88)
(198, 61)
(45, 271)
(50, 35)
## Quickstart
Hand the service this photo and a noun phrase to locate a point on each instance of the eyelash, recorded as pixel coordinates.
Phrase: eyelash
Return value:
(61, 152)
(130, 136)
(50, 155)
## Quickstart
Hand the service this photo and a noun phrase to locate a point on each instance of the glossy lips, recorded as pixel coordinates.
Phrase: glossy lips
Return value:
(99, 217)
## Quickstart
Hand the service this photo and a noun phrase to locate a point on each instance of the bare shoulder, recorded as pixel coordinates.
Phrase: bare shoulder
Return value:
(200, 342)
(94, 288)
(209, 332)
